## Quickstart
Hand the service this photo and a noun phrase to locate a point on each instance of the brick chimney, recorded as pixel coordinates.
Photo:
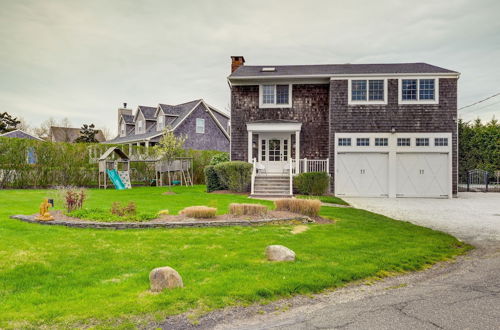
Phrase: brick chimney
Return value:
(236, 62)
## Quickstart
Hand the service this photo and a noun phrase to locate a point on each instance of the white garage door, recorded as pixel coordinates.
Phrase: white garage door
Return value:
(422, 175)
(362, 174)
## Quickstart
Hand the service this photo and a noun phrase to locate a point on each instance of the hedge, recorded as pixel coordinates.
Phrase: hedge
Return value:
(73, 164)
(212, 180)
(311, 183)
(236, 176)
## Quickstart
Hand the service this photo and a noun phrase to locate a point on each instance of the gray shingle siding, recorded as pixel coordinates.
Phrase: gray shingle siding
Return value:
(212, 139)
(404, 118)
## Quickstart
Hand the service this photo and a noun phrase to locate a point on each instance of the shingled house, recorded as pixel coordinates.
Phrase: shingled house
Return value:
(70, 134)
(205, 127)
(380, 130)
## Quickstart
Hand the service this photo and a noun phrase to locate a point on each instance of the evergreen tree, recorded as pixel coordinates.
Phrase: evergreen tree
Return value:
(8, 123)
(87, 134)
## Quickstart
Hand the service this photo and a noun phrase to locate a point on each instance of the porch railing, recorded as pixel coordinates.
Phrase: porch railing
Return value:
(311, 165)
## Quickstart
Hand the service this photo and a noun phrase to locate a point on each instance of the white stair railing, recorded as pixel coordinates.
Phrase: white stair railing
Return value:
(314, 165)
(254, 174)
(291, 177)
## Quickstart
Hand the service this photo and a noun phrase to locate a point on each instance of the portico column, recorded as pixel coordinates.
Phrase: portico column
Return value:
(297, 151)
(250, 149)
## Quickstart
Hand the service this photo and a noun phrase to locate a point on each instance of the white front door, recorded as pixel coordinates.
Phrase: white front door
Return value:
(274, 152)
(422, 175)
(362, 174)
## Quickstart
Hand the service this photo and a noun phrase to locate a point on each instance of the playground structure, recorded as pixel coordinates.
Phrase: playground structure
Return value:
(114, 167)
(178, 171)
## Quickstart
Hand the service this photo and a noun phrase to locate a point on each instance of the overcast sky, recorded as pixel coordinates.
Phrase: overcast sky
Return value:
(82, 59)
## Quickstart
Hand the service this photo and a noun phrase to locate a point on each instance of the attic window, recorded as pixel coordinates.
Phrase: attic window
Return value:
(268, 69)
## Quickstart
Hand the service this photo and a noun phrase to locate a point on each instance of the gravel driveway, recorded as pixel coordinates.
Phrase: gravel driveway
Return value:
(472, 217)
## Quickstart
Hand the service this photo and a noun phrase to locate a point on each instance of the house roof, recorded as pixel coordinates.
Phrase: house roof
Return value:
(129, 119)
(20, 135)
(116, 150)
(148, 112)
(70, 134)
(246, 71)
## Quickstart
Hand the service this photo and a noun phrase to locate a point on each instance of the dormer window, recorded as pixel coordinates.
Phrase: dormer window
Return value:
(200, 125)
(161, 122)
(139, 126)
(122, 129)
(275, 96)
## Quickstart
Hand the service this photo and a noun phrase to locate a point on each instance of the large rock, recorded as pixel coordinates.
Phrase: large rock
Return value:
(164, 278)
(279, 253)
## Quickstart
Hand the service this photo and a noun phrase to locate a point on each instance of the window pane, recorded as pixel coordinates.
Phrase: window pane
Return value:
(344, 141)
(381, 142)
(282, 94)
(403, 142)
(200, 125)
(441, 142)
(362, 142)
(426, 89)
(422, 142)
(376, 92)
(263, 154)
(268, 94)
(409, 89)
(358, 90)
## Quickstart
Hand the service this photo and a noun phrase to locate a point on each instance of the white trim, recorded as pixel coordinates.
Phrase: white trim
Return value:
(187, 115)
(392, 149)
(201, 127)
(345, 76)
(418, 101)
(275, 105)
(273, 127)
(20, 130)
(366, 102)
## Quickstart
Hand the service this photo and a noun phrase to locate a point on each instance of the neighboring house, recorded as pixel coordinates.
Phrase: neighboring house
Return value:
(20, 135)
(205, 127)
(385, 130)
(70, 134)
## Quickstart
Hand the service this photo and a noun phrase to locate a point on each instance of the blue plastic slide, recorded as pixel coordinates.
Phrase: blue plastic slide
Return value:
(115, 178)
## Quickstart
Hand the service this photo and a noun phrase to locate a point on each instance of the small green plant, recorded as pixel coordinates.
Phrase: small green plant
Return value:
(236, 176)
(219, 158)
(123, 210)
(311, 183)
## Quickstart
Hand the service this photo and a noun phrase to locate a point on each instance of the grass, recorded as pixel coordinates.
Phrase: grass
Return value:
(65, 277)
(325, 199)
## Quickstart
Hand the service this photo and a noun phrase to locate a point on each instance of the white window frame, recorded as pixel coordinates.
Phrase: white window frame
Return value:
(366, 101)
(161, 123)
(139, 127)
(423, 139)
(199, 128)
(418, 101)
(123, 129)
(442, 139)
(359, 139)
(274, 105)
(344, 140)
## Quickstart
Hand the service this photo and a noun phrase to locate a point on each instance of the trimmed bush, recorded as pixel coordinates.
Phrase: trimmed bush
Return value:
(220, 158)
(309, 207)
(247, 209)
(199, 212)
(236, 176)
(124, 210)
(311, 183)
(212, 180)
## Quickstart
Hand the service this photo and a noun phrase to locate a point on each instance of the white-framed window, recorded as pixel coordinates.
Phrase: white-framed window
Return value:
(367, 91)
(419, 90)
(422, 142)
(140, 126)
(363, 142)
(345, 142)
(404, 142)
(200, 125)
(161, 122)
(275, 96)
(441, 142)
(381, 142)
(122, 129)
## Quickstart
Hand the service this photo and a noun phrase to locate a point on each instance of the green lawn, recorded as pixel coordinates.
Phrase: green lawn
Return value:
(63, 277)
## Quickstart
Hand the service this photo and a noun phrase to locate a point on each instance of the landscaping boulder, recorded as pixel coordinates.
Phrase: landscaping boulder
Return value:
(164, 278)
(279, 253)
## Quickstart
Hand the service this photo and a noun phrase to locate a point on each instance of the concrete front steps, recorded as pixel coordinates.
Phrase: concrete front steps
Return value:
(272, 186)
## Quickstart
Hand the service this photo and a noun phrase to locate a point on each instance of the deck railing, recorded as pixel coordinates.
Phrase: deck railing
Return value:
(311, 165)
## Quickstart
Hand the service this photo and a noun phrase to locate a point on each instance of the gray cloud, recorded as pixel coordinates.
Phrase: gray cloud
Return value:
(82, 59)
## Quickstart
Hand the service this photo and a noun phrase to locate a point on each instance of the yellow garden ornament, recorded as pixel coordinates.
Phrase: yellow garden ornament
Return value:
(44, 211)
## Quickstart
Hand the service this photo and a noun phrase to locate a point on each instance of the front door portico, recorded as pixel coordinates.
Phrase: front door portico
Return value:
(274, 151)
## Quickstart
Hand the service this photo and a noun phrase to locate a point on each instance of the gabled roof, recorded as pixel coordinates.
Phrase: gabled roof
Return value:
(20, 135)
(129, 119)
(70, 134)
(148, 112)
(117, 151)
(325, 70)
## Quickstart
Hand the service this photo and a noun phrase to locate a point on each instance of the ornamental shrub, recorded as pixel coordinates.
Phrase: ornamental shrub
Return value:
(212, 180)
(311, 183)
(219, 158)
(236, 176)
(309, 207)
